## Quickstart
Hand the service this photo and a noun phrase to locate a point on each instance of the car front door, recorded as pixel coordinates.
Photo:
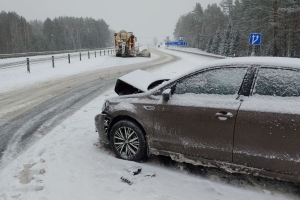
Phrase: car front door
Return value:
(267, 134)
(199, 119)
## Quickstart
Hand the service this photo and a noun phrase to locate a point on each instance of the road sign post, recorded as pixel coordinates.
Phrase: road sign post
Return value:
(255, 40)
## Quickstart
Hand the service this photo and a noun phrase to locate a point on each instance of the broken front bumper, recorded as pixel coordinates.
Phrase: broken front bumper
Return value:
(102, 122)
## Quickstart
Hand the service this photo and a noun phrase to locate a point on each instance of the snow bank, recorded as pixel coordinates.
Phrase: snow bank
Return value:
(195, 51)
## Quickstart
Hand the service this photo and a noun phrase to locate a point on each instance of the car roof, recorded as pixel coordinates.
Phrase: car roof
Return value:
(266, 61)
(244, 61)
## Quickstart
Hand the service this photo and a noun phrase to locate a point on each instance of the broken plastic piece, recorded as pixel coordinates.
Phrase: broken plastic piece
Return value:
(126, 180)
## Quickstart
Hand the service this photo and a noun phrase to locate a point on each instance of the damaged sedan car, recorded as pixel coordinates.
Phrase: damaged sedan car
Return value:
(241, 115)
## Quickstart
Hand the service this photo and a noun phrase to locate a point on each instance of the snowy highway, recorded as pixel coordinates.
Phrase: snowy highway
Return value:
(29, 112)
(49, 150)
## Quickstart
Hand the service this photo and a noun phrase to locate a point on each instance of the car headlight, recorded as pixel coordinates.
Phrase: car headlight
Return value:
(105, 105)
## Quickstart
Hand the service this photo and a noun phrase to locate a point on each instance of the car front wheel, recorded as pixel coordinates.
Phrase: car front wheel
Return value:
(128, 141)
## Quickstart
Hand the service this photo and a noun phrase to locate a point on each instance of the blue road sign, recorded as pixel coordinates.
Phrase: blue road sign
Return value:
(255, 39)
(176, 43)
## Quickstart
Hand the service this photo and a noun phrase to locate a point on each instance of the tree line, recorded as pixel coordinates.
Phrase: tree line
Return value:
(63, 33)
(225, 29)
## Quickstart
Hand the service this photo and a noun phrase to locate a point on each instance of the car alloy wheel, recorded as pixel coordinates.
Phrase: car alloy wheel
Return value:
(127, 140)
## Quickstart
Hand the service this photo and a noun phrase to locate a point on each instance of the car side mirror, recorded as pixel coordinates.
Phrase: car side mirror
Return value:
(167, 95)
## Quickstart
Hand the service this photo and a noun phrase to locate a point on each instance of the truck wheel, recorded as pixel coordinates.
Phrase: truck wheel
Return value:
(128, 141)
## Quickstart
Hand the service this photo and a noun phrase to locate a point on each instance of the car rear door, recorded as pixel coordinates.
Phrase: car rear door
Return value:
(267, 133)
(199, 119)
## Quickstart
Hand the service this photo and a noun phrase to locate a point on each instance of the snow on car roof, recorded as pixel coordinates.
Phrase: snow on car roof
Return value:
(141, 79)
(268, 61)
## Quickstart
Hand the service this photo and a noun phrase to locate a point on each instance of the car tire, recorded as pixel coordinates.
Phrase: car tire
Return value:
(127, 140)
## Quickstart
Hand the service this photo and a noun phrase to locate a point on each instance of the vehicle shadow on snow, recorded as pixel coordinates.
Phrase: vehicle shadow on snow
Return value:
(238, 180)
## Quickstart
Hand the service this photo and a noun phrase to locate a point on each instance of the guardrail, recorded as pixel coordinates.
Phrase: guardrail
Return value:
(31, 61)
(17, 55)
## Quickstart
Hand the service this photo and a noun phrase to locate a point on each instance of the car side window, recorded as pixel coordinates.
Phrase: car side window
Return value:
(224, 81)
(278, 82)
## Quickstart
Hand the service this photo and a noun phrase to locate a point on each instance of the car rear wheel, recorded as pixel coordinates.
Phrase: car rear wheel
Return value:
(128, 141)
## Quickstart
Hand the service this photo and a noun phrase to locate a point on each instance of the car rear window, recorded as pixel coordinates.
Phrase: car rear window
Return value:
(278, 82)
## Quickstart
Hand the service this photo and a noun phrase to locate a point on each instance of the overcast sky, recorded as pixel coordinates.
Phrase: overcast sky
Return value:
(146, 18)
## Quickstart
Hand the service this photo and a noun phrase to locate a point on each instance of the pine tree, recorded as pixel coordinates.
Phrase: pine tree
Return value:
(62, 33)
(227, 6)
(208, 45)
(277, 20)
(198, 24)
(226, 41)
(234, 41)
(202, 40)
(216, 42)
(49, 35)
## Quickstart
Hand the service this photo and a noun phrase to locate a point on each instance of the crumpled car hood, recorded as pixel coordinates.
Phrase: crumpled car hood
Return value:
(138, 81)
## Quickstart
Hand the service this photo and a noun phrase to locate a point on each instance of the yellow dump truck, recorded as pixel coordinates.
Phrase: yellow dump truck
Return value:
(125, 44)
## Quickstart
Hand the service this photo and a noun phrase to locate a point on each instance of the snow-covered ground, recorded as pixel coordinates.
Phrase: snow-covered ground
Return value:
(18, 76)
(65, 164)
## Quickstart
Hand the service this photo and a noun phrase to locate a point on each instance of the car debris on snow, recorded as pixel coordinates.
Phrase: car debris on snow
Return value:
(135, 174)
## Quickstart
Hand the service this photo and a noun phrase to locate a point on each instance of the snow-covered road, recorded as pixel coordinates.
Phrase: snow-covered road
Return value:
(17, 77)
(27, 113)
(68, 163)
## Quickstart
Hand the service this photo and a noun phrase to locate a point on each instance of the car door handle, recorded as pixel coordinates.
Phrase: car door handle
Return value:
(149, 107)
(224, 116)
